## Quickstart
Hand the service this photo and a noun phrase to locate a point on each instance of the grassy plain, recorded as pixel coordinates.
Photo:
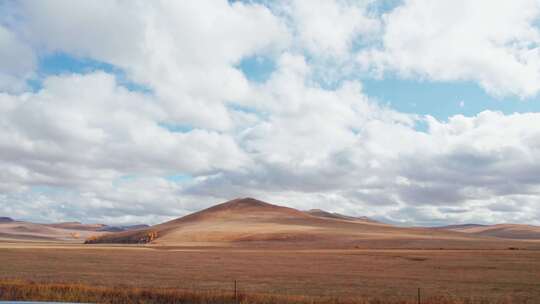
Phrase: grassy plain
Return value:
(500, 276)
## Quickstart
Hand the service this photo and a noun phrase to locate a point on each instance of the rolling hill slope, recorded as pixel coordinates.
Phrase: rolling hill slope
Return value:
(25, 231)
(72, 232)
(4, 219)
(505, 231)
(326, 214)
(252, 223)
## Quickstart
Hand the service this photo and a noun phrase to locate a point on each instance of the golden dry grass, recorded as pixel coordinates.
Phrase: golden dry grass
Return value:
(17, 290)
(493, 275)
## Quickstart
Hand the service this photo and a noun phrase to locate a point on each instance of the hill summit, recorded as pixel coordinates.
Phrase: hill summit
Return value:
(241, 208)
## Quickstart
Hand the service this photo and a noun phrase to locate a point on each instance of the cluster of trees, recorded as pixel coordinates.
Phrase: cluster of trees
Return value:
(149, 237)
(143, 237)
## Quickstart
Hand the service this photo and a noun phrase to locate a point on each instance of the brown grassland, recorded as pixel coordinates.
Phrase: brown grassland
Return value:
(142, 274)
(79, 293)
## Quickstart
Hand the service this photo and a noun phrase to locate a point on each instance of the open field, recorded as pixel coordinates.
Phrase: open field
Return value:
(353, 273)
(81, 293)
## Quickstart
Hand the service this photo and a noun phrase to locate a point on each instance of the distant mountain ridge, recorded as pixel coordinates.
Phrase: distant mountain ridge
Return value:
(4, 219)
(77, 226)
(122, 228)
(97, 227)
(504, 231)
(12, 230)
(335, 215)
(460, 226)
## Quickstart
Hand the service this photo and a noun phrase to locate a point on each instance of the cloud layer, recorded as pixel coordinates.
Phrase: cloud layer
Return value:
(192, 129)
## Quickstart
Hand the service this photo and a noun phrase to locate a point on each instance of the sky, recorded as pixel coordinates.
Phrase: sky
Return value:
(413, 112)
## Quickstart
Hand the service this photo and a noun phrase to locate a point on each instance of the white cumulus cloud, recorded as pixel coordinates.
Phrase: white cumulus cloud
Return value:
(492, 43)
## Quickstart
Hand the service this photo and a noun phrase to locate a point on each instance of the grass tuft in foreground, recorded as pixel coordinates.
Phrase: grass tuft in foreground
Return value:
(15, 290)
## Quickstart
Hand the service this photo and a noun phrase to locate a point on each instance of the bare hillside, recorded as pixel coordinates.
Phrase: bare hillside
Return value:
(249, 222)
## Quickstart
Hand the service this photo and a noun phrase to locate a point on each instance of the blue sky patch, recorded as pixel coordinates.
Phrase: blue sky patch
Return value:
(59, 63)
(442, 99)
(176, 128)
(179, 177)
(257, 68)
(383, 6)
